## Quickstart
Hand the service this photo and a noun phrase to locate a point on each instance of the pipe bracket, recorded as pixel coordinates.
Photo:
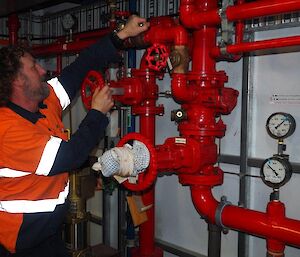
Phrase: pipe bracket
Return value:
(218, 216)
(226, 26)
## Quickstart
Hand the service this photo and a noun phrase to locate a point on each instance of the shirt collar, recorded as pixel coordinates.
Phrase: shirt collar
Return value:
(31, 116)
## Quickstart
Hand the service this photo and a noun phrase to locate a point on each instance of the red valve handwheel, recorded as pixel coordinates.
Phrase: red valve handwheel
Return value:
(93, 80)
(146, 178)
(157, 56)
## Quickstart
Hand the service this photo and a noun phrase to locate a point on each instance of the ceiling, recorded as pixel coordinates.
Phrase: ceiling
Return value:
(16, 6)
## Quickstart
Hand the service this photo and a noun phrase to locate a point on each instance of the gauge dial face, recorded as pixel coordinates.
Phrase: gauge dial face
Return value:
(276, 171)
(280, 125)
(68, 21)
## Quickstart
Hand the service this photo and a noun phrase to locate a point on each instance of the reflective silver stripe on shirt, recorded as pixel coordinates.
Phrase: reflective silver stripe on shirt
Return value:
(9, 173)
(60, 92)
(48, 157)
(26, 206)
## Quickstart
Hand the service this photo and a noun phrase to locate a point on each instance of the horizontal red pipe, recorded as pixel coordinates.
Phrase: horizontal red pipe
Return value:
(257, 223)
(261, 8)
(192, 17)
(4, 42)
(258, 45)
(87, 35)
(59, 48)
(80, 41)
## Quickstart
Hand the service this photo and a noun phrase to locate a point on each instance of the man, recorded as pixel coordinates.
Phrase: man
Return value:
(34, 152)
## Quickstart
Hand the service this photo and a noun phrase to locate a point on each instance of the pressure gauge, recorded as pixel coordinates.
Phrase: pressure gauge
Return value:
(68, 21)
(276, 171)
(280, 125)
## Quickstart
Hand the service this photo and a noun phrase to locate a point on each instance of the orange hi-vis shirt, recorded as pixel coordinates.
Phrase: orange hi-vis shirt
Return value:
(27, 152)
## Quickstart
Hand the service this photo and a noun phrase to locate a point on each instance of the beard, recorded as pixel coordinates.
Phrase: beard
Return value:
(37, 93)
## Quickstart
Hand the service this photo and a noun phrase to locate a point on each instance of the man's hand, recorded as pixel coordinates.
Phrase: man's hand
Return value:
(134, 26)
(102, 100)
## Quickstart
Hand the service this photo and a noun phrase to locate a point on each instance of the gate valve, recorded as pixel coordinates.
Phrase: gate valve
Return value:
(157, 57)
(178, 115)
(92, 81)
(146, 178)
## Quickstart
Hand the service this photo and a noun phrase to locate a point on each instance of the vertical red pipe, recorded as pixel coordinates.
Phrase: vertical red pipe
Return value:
(13, 25)
(147, 128)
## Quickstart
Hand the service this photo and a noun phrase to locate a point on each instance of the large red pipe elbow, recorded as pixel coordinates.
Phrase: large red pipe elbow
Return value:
(204, 202)
(180, 90)
(271, 225)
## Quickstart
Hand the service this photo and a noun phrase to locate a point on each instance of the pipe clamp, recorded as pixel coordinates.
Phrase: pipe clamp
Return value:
(218, 216)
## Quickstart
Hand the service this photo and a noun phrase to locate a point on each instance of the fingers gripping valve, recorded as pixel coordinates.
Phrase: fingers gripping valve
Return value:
(135, 165)
(92, 81)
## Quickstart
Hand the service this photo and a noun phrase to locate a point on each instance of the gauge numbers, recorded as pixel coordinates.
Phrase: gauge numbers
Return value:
(276, 171)
(280, 125)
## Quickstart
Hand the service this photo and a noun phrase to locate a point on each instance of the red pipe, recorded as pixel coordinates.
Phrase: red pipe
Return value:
(261, 224)
(59, 64)
(13, 25)
(204, 202)
(176, 35)
(261, 8)
(192, 17)
(147, 112)
(258, 45)
(268, 225)
(195, 16)
(59, 48)
(87, 35)
(4, 42)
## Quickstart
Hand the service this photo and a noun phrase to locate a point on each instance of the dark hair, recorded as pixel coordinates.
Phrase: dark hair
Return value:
(10, 65)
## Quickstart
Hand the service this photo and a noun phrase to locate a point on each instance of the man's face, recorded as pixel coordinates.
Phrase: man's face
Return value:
(33, 74)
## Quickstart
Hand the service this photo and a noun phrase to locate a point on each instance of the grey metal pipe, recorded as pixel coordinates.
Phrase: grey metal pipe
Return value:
(244, 186)
(214, 240)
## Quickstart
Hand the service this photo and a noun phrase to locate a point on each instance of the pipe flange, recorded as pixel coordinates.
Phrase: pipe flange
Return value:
(218, 216)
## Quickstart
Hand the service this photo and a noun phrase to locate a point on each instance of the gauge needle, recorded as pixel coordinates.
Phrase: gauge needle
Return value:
(273, 170)
(280, 124)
